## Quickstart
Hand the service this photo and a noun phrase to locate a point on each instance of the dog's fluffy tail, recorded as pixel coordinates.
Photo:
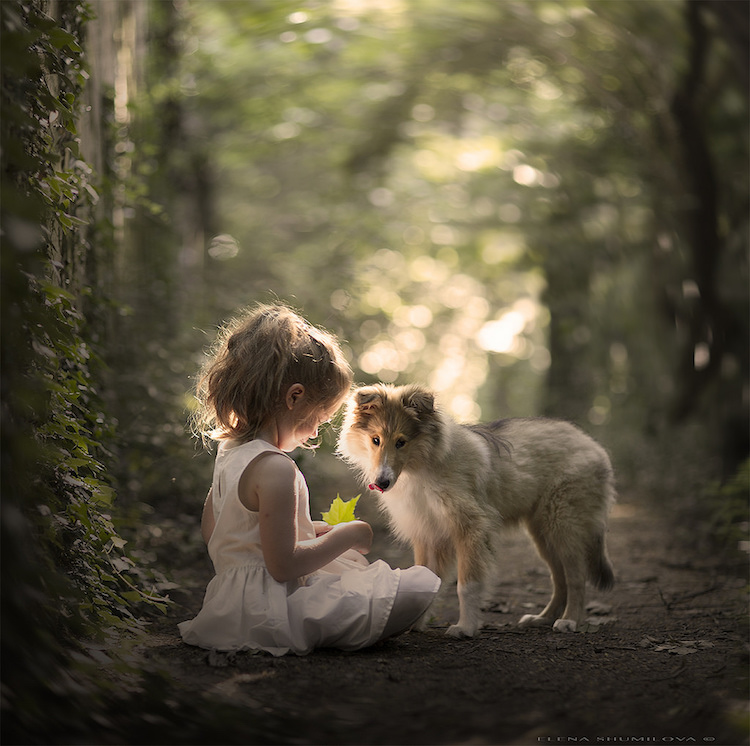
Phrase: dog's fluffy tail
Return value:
(600, 568)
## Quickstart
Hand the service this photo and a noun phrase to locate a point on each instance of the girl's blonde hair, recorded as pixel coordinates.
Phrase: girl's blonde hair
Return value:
(256, 357)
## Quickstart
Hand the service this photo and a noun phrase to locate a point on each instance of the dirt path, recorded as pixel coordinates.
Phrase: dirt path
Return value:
(663, 660)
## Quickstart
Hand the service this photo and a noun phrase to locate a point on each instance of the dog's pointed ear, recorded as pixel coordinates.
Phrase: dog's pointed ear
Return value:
(420, 400)
(367, 399)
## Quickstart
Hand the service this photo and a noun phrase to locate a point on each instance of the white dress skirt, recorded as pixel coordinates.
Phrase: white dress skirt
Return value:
(348, 604)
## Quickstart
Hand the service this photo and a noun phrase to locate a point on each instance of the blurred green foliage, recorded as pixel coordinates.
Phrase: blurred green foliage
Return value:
(493, 198)
(724, 508)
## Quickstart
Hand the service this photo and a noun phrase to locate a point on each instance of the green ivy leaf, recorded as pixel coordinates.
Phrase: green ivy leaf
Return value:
(340, 511)
(68, 221)
(60, 38)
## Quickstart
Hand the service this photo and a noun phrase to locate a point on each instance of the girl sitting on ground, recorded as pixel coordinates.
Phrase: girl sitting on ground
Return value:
(284, 582)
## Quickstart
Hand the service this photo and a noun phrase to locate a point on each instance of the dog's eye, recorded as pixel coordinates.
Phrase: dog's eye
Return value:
(376, 440)
(400, 443)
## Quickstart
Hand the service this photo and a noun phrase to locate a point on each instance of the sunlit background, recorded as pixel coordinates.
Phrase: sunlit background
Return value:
(489, 198)
(534, 208)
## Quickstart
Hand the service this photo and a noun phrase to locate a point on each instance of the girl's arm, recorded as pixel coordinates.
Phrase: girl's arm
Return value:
(208, 522)
(273, 485)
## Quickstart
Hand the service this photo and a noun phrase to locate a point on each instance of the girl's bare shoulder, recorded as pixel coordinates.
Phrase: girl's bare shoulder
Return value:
(271, 473)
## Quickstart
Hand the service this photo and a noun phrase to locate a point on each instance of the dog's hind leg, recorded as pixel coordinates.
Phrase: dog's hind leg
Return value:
(557, 603)
(584, 558)
(575, 576)
(594, 563)
(564, 553)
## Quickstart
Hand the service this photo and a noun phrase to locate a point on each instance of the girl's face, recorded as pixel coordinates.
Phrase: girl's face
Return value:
(299, 422)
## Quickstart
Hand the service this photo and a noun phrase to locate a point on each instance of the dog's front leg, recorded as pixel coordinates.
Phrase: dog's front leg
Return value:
(433, 559)
(471, 564)
(421, 555)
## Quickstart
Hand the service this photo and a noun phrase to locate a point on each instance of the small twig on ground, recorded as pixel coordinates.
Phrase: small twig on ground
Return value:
(666, 603)
(687, 596)
(716, 672)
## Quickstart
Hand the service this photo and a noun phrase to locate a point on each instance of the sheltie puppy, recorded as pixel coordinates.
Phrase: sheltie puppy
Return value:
(448, 489)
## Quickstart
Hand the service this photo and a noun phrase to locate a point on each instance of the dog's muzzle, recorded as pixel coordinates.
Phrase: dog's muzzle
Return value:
(383, 481)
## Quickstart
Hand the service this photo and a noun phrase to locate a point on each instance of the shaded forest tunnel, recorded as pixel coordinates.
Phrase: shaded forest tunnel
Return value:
(534, 208)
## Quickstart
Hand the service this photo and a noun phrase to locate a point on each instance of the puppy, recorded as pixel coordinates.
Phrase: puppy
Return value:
(448, 489)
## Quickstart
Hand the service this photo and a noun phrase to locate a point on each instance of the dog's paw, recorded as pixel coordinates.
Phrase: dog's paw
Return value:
(461, 633)
(565, 625)
(534, 620)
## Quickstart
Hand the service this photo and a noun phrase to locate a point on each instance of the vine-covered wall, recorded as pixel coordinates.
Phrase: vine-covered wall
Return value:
(66, 574)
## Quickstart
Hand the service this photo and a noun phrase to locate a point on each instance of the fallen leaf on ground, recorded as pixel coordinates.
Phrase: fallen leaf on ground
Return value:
(595, 623)
(683, 647)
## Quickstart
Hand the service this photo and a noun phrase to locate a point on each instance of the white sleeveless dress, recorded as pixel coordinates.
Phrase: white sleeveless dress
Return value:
(348, 604)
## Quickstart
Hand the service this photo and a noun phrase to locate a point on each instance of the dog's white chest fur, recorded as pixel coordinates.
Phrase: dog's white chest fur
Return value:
(413, 510)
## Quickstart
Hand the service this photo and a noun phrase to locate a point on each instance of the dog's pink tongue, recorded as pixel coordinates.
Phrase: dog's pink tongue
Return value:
(374, 487)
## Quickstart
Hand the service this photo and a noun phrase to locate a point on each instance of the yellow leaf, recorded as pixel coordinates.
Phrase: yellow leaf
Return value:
(340, 511)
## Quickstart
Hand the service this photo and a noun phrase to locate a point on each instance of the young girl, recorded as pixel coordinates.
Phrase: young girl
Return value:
(283, 582)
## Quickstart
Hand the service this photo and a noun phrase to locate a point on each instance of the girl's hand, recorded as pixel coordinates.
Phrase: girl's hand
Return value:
(321, 527)
(359, 533)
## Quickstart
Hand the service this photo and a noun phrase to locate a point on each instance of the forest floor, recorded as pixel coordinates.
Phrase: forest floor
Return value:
(663, 659)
